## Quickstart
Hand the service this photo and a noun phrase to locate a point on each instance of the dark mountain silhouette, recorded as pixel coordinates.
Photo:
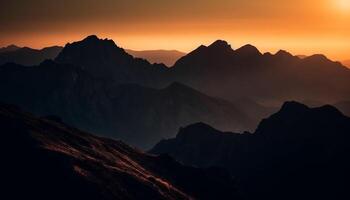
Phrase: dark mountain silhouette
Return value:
(103, 59)
(89, 82)
(139, 115)
(46, 158)
(297, 153)
(27, 56)
(9, 48)
(220, 71)
(167, 57)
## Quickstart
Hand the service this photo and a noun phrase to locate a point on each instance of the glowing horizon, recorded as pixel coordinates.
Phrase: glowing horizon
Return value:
(301, 27)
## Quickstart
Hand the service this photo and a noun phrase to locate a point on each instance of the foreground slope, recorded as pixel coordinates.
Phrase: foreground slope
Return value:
(46, 159)
(297, 153)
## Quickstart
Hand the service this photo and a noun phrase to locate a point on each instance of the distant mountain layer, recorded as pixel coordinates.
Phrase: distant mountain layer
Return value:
(46, 158)
(139, 115)
(297, 153)
(27, 56)
(219, 70)
(9, 48)
(167, 57)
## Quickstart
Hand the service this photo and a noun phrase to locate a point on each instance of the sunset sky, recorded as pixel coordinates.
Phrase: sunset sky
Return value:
(299, 26)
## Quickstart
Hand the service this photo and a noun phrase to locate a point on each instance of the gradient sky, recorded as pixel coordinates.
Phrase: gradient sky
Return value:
(298, 26)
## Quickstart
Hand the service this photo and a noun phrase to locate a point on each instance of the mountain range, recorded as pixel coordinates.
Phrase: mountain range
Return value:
(267, 78)
(167, 57)
(27, 56)
(30, 56)
(47, 159)
(297, 153)
(217, 70)
(97, 86)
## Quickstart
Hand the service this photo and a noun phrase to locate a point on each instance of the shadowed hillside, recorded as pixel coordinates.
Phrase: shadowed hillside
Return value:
(48, 159)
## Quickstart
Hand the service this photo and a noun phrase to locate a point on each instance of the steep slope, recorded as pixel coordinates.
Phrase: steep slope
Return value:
(297, 153)
(140, 116)
(220, 71)
(103, 59)
(48, 159)
(167, 57)
(28, 56)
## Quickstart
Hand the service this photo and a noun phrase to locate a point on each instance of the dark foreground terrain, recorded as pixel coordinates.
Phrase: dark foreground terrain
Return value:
(46, 159)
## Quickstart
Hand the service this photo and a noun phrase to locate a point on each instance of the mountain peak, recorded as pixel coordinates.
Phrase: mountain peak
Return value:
(9, 48)
(90, 49)
(91, 38)
(248, 50)
(293, 106)
(317, 57)
(283, 53)
(12, 46)
(220, 44)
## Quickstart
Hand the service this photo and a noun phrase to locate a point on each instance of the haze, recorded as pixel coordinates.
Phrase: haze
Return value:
(300, 26)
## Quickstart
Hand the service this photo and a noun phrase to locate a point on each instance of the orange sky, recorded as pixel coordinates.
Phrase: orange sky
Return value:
(299, 26)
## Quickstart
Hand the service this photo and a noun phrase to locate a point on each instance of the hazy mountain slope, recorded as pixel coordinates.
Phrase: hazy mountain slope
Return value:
(297, 153)
(28, 56)
(167, 57)
(48, 159)
(140, 116)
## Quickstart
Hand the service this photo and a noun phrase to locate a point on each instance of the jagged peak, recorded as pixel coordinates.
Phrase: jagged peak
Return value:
(91, 38)
(220, 44)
